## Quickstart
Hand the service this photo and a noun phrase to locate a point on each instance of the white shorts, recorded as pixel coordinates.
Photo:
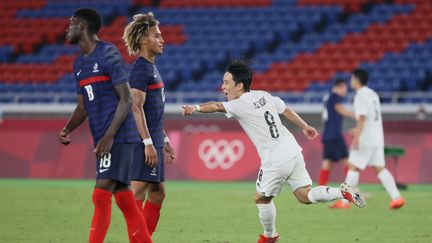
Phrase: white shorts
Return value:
(367, 156)
(271, 179)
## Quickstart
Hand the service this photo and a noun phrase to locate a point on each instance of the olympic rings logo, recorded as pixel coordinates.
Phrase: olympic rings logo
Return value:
(221, 154)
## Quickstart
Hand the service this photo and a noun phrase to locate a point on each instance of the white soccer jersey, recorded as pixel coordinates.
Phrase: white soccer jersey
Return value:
(258, 114)
(367, 103)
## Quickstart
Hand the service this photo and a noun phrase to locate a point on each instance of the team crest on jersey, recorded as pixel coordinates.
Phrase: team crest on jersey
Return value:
(95, 68)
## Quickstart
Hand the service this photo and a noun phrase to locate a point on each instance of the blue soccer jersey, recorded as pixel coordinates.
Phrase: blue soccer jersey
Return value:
(145, 77)
(96, 76)
(332, 119)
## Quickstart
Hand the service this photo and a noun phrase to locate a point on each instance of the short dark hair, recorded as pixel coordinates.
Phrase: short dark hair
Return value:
(91, 16)
(362, 75)
(241, 73)
(339, 81)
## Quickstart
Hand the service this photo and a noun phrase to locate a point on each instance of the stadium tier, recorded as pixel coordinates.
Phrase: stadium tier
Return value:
(295, 45)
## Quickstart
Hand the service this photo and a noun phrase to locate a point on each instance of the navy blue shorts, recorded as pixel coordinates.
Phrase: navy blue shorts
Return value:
(140, 171)
(116, 164)
(335, 150)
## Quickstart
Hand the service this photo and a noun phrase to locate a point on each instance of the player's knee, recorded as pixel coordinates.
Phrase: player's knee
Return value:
(304, 200)
(156, 193)
(106, 184)
(139, 190)
(261, 199)
(326, 165)
(378, 169)
(352, 167)
(302, 195)
(139, 194)
(121, 187)
(157, 197)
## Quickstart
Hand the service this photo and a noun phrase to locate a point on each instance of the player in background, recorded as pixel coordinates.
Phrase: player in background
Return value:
(144, 39)
(367, 148)
(334, 146)
(103, 96)
(281, 156)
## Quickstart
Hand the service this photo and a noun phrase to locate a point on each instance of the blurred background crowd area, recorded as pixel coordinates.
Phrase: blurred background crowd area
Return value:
(297, 47)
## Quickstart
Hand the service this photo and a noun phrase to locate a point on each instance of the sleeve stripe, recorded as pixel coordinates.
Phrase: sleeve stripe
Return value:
(156, 86)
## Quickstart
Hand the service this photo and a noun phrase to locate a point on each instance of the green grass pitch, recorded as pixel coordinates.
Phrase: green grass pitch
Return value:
(60, 211)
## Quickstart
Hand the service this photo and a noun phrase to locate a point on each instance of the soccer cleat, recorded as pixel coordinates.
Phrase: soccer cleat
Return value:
(353, 196)
(397, 203)
(264, 239)
(340, 204)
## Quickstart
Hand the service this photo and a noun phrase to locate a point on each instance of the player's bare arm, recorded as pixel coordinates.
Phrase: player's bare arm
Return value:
(169, 152)
(77, 118)
(344, 111)
(150, 153)
(208, 107)
(356, 131)
(308, 131)
(124, 106)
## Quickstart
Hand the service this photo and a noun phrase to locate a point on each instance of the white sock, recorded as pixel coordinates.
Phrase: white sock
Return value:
(352, 178)
(267, 215)
(389, 183)
(324, 194)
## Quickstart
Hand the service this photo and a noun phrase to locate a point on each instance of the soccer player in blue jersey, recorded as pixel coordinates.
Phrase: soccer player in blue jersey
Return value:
(334, 146)
(144, 39)
(103, 96)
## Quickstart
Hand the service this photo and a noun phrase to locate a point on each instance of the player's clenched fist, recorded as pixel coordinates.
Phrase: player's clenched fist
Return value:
(64, 137)
(188, 110)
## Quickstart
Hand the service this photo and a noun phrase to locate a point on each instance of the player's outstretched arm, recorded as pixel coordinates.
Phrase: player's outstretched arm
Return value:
(76, 119)
(344, 111)
(308, 131)
(123, 108)
(208, 107)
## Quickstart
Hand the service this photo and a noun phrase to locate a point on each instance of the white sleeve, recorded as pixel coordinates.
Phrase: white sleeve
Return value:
(280, 104)
(360, 106)
(232, 108)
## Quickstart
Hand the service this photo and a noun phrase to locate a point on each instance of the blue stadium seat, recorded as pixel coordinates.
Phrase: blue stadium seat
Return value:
(5, 53)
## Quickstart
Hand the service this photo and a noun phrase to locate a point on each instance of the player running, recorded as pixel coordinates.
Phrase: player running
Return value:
(144, 39)
(367, 148)
(334, 146)
(281, 157)
(103, 96)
